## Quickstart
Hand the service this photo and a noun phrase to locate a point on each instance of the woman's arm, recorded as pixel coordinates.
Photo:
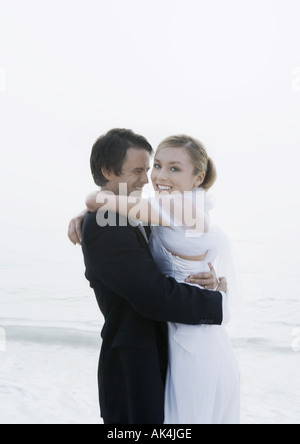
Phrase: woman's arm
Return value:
(117, 204)
(134, 207)
(75, 225)
(91, 202)
(164, 210)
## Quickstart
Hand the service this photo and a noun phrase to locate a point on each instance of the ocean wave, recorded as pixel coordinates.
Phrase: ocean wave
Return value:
(262, 345)
(53, 335)
(82, 336)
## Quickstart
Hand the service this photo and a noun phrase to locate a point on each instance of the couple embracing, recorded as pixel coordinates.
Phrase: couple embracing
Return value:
(165, 357)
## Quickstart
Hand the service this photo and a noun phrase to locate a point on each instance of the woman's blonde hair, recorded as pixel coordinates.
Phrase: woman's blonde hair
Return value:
(198, 154)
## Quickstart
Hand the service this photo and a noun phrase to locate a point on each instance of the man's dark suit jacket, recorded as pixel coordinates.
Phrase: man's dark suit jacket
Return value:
(136, 301)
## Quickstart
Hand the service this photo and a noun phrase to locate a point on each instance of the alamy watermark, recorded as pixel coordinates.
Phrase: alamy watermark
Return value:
(2, 80)
(2, 340)
(167, 209)
(296, 79)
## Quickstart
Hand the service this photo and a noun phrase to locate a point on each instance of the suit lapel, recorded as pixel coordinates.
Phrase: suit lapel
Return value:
(148, 230)
(142, 240)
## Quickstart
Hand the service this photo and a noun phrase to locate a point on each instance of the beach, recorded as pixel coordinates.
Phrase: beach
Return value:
(52, 325)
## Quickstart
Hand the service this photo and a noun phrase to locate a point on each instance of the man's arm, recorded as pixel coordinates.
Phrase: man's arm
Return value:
(115, 257)
(208, 280)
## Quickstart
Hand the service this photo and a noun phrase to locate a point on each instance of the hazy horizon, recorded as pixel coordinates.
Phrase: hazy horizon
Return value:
(226, 73)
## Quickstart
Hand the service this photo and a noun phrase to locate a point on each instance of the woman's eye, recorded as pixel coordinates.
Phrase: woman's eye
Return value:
(157, 166)
(175, 170)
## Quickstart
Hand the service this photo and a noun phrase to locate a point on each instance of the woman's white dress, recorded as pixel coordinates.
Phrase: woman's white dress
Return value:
(203, 384)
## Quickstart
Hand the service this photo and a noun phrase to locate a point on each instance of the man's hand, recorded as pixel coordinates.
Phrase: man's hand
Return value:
(208, 280)
(75, 226)
(222, 285)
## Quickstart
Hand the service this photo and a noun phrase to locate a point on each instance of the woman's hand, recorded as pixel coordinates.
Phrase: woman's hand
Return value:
(75, 227)
(208, 280)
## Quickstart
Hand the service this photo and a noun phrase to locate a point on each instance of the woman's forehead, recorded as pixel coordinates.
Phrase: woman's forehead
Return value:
(173, 154)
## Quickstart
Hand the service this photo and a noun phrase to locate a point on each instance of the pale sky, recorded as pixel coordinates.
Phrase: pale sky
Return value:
(227, 73)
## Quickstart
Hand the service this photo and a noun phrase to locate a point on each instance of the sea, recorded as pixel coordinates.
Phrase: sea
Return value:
(50, 330)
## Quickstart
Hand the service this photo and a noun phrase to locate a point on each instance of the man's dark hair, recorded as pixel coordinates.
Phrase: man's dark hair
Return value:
(110, 151)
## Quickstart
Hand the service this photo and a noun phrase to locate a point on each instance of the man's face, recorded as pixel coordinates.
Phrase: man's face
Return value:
(134, 172)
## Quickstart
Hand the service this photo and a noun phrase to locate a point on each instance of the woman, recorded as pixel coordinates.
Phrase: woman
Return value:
(203, 378)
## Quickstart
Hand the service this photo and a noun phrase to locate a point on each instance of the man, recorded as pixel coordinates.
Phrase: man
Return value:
(135, 299)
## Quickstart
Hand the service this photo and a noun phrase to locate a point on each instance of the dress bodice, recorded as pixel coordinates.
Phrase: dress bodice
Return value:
(187, 243)
(169, 243)
(174, 266)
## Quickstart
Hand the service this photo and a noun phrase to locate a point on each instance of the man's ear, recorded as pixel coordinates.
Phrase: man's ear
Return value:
(107, 174)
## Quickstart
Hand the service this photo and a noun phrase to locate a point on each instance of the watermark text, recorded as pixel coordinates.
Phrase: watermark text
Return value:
(165, 209)
(145, 434)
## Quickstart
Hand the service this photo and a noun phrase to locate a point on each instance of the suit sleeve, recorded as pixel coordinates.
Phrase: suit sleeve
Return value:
(114, 256)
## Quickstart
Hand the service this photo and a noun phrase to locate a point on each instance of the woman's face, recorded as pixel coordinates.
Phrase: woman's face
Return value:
(173, 171)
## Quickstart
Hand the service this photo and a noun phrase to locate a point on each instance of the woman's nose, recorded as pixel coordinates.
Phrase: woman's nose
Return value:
(161, 174)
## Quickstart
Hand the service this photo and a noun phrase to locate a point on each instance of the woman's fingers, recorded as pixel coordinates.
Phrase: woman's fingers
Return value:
(72, 235)
(74, 231)
(78, 226)
(75, 228)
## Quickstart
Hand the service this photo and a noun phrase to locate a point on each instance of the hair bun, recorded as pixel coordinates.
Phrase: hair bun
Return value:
(211, 175)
